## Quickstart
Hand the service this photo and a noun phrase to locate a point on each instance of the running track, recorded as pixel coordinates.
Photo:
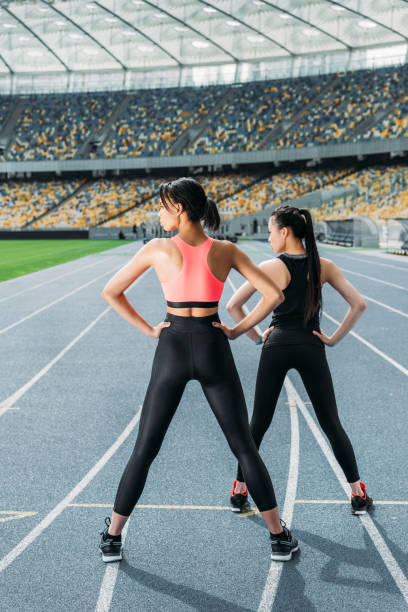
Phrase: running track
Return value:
(73, 379)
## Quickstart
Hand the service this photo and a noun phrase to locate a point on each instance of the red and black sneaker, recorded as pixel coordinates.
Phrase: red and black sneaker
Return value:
(360, 504)
(239, 501)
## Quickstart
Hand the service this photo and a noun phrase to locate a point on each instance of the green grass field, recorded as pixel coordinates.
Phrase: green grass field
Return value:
(18, 257)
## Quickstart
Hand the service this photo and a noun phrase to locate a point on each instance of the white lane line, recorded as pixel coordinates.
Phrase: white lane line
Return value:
(390, 562)
(400, 312)
(59, 508)
(158, 507)
(275, 570)
(63, 297)
(373, 262)
(377, 280)
(342, 501)
(378, 541)
(371, 346)
(253, 510)
(390, 360)
(109, 580)
(51, 280)
(110, 576)
(8, 403)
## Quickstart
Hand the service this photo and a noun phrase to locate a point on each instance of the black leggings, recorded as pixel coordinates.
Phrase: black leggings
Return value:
(311, 363)
(192, 348)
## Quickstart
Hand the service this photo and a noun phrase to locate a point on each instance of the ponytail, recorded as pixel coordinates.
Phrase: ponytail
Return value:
(300, 220)
(313, 288)
(191, 195)
(211, 216)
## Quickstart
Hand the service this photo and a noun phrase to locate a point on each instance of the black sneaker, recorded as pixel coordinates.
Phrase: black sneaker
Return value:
(239, 501)
(283, 544)
(110, 546)
(360, 504)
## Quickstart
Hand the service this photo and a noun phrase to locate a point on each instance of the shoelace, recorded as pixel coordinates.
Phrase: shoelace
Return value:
(285, 530)
(107, 523)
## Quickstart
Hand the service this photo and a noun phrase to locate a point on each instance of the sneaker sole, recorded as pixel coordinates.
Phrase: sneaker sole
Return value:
(242, 510)
(362, 510)
(110, 558)
(283, 556)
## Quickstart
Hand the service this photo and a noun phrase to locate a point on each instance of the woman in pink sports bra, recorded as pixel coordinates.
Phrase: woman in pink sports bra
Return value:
(192, 344)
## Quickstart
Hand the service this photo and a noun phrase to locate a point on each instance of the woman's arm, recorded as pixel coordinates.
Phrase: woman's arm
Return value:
(236, 303)
(335, 277)
(272, 268)
(113, 293)
(272, 296)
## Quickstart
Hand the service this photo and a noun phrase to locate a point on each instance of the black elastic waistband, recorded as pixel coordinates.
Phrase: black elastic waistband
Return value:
(297, 326)
(191, 324)
(191, 304)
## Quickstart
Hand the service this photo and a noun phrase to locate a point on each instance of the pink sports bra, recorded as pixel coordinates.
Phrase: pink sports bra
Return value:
(195, 284)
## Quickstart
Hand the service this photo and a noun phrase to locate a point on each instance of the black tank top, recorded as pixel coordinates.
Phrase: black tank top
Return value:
(288, 317)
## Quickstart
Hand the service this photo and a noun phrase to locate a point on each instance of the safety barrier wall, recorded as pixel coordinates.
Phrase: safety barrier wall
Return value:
(43, 234)
(371, 147)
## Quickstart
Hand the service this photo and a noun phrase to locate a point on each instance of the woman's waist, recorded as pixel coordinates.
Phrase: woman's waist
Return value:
(295, 320)
(283, 334)
(192, 323)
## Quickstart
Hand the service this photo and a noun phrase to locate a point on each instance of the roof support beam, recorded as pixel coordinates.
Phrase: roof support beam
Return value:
(250, 27)
(308, 23)
(360, 14)
(187, 25)
(135, 29)
(40, 40)
(87, 34)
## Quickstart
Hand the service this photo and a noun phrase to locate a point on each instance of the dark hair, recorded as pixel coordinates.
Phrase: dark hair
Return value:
(300, 220)
(188, 192)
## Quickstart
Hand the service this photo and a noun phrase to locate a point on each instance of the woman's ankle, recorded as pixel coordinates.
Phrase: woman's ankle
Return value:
(240, 488)
(356, 488)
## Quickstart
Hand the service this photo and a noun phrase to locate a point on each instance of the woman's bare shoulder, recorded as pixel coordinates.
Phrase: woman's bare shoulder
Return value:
(327, 266)
(158, 244)
(224, 247)
(156, 250)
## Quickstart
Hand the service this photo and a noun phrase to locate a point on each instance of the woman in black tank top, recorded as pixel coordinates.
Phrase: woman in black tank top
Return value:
(295, 340)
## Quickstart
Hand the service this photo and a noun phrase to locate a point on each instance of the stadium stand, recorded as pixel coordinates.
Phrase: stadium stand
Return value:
(276, 190)
(97, 201)
(155, 119)
(22, 201)
(344, 110)
(54, 126)
(120, 202)
(382, 193)
(314, 110)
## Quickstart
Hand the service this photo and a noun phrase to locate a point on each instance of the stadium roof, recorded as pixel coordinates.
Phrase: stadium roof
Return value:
(121, 44)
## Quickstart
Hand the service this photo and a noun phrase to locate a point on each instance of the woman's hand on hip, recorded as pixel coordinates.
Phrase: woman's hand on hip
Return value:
(325, 339)
(266, 333)
(228, 331)
(156, 331)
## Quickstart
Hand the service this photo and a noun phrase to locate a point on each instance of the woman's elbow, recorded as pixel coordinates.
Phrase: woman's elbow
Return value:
(280, 298)
(359, 306)
(231, 306)
(106, 295)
